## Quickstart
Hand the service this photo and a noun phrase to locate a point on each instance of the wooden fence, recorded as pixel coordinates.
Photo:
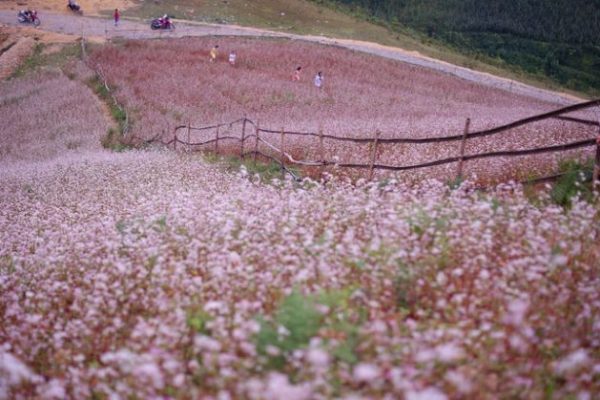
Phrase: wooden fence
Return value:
(251, 131)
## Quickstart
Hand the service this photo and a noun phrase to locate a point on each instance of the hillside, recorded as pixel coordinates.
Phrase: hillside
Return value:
(548, 38)
(47, 116)
(361, 94)
(532, 42)
(153, 274)
(130, 269)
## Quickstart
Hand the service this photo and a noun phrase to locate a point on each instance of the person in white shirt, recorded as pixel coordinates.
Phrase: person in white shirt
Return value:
(232, 57)
(319, 80)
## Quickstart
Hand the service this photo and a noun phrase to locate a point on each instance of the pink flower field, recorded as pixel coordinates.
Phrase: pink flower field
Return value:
(158, 274)
(153, 275)
(165, 83)
(45, 116)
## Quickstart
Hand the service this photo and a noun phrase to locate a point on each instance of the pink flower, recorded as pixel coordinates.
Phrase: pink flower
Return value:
(366, 372)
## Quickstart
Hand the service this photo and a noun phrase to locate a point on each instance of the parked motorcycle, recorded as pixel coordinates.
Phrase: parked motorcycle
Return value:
(76, 8)
(162, 23)
(28, 17)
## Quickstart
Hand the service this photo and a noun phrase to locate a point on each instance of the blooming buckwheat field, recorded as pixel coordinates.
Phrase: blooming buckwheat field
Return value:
(157, 275)
(165, 83)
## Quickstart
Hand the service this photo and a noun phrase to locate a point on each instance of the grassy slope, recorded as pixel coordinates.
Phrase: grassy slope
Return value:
(304, 17)
(547, 38)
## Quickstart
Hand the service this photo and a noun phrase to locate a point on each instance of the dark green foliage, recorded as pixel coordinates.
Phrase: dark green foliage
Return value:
(268, 171)
(300, 319)
(197, 319)
(113, 139)
(568, 21)
(403, 286)
(38, 59)
(7, 265)
(577, 180)
(455, 183)
(558, 39)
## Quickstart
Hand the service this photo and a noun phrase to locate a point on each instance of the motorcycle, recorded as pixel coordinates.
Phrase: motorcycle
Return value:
(162, 23)
(76, 8)
(28, 17)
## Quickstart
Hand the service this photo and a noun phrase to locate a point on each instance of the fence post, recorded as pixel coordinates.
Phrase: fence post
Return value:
(217, 142)
(321, 149)
(373, 154)
(281, 151)
(596, 173)
(462, 149)
(256, 142)
(243, 138)
(189, 128)
(175, 139)
(83, 53)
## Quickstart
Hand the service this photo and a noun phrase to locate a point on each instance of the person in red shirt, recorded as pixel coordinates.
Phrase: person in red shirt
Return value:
(117, 16)
(296, 76)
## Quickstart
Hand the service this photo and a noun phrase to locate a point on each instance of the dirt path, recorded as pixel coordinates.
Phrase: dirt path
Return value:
(90, 7)
(97, 28)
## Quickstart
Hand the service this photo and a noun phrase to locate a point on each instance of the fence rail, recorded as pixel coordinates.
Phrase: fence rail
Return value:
(283, 157)
(486, 132)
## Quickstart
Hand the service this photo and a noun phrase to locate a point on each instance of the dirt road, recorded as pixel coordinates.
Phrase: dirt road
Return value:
(96, 28)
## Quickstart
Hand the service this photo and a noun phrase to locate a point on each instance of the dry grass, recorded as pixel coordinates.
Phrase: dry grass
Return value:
(295, 16)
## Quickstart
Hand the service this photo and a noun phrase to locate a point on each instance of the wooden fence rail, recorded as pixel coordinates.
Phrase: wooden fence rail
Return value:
(482, 133)
(375, 140)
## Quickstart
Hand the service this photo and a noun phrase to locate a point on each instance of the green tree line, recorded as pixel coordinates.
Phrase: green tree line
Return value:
(559, 39)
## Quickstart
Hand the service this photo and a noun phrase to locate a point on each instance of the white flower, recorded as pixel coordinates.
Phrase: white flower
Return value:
(213, 305)
(516, 311)
(53, 390)
(272, 350)
(449, 352)
(572, 361)
(441, 279)
(202, 342)
(365, 372)
(318, 358)
(462, 384)
(234, 258)
(13, 371)
(426, 394)
(278, 387)
(282, 331)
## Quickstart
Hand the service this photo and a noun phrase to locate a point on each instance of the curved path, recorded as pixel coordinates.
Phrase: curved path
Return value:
(102, 28)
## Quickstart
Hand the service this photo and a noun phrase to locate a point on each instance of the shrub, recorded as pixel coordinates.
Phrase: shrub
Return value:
(300, 321)
(575, 181)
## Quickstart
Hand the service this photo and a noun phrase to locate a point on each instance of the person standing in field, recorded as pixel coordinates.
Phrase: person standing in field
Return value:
(319, 80)
(296, 76)
(117, 16)
(214, 52)
(232, 57)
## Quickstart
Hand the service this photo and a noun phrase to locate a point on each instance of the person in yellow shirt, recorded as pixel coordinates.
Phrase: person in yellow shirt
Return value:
(214, 52)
